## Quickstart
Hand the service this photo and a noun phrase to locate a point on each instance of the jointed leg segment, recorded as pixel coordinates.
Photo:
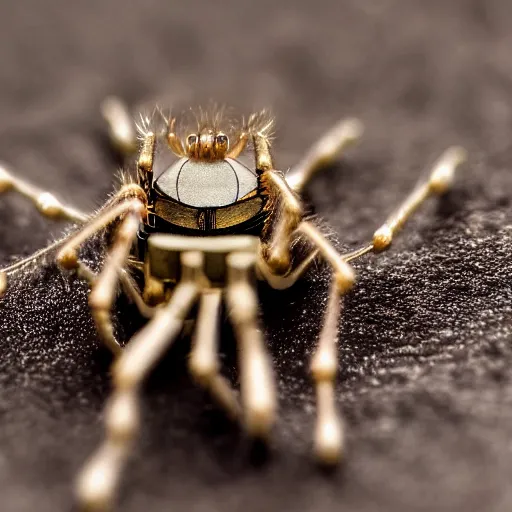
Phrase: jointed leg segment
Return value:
(47, 204)
(324, 152)
(50, 206)
(121, 127)
(440, 180)
(204, 360)
(343, 273)
(103, 293)
(173, 140)
(328, 433)
(131, 206)
(324, 367)
(274, 263)
(256, 379)
(284, 207)
(68, 255)
(97, 483)
(237, 148)
(288, 217)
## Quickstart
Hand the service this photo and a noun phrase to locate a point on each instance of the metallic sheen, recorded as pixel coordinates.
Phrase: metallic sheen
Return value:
(207, 184)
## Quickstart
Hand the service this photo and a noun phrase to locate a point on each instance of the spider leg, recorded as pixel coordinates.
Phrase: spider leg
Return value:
(440, 180)
(237, 148)
(129, 287)
(130, 198)
(121, 128)
(288, 216)
(262, 152)
(328, 432)
(203, 361)
(104, 289)
(173, 140)
(281, 282)
(98, 481)
(328, 439)
(324, 152)
(103, 292)
(284, 205)
(131, 206)
(7, 272)
(90, 225)
(46, 203)
(133, 293)
(343, 273)
(145, 164)
(256, 379)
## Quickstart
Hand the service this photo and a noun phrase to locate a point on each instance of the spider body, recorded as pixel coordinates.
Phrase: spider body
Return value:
(198, 231)
(207, 198)
(206, 192)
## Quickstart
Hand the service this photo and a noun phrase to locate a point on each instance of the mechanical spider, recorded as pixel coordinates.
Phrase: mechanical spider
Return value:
(199, 231)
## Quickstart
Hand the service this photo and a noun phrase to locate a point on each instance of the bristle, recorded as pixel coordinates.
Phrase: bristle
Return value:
(164, 117)
(212, 116)
(262, 123)
(148, 123)
(125, 177)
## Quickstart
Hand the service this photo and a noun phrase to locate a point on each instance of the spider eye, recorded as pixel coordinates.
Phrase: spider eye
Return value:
(221, 144)
(192, 139)
(221, 139)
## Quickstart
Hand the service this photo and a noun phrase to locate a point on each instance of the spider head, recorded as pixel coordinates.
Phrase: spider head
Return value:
(207, 144)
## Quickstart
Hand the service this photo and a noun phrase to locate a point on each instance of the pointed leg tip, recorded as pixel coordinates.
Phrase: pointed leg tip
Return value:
(458, 154)
(92, 496)
(354, 128)
(6, 179)
(259, 422)
(110, 104)
(329, 444)
(3, 283)
(328, 455)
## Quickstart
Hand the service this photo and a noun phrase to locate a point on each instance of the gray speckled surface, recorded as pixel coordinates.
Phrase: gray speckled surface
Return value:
(425, 344)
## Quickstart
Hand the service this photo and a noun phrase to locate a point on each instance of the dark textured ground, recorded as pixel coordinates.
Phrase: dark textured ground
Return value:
(425, 347)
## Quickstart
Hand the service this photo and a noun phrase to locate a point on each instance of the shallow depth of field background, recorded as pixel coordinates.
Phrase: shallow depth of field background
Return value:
(425, 343)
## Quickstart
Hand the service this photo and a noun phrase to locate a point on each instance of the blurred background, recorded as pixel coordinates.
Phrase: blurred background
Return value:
(425, 379)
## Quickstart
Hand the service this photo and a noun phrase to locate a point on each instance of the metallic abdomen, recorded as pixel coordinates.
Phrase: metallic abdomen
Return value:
(217, 197)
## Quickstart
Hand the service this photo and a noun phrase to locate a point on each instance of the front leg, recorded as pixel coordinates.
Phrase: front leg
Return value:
(129, 205)
(286, 220)
(274, 265)
(328, 439)
(104, 289)
(285, 210)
